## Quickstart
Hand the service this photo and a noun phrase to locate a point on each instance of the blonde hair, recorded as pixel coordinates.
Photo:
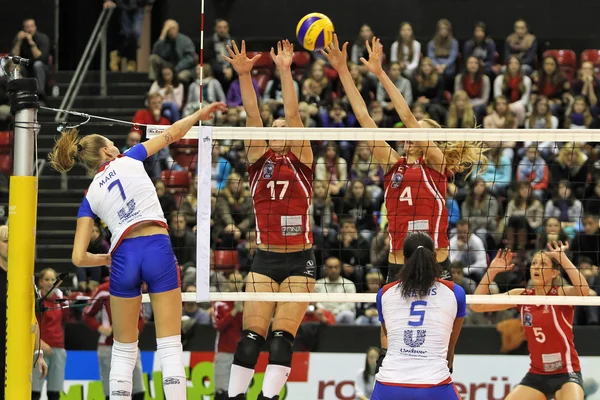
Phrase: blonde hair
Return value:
(233, 198)
(70, 147)
(375, 275)
(45, 271)
(3, 232)
(426, 82)
(468, 117)
(571, 148)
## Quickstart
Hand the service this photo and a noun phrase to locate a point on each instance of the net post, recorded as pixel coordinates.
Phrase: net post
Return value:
(22, 224)
(203, 214)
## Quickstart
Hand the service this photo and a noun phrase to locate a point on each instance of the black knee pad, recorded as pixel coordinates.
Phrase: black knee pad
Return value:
(248, 349)
(446, 274)
(139, 396)
(53, 395)
(36, 395)
(280, 351)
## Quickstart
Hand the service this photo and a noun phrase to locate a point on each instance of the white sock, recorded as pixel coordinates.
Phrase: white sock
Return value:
(239, 380)
(170, 351)
(122, 363)
(275, 378)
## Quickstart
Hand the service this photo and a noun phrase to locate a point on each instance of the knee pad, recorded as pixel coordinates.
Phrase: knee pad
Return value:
(170, 352)
(122, 363)
(248, 349)
(280, 351)
(53, 395)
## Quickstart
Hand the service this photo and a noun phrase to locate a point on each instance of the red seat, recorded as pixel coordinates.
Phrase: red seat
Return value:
(187, 161)
(592, 55)
(264, 61)
(6, 140)
(5, 163)
(567, 60)
(226, 259)
(176, 181)
(301, 59)
(186, 144)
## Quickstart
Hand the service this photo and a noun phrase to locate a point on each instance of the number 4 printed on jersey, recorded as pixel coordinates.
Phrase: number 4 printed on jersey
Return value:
(406, 195)
(128, 210)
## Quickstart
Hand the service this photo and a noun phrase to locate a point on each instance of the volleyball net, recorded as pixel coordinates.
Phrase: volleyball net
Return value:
(517, 189)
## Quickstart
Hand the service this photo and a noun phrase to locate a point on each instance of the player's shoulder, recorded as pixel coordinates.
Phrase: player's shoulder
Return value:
(385, 289)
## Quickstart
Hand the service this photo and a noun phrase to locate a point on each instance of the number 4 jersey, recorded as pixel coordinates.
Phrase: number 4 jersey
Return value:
(281, 187)
(122, 195)
(415, 199)
(418, 333)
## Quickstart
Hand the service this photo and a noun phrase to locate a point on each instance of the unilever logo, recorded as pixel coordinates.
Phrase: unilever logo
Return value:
(413, 342)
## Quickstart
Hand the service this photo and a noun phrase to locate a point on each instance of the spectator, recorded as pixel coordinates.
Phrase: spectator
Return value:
(227, 320)
(212, 91)
(333, 170)
(166, 199)
(402, 84)
(364, 84)
(266, 114)
(586, 244)
(502, 117)
(457, 270)
(443, 50)
(35, 46)
(232, 118)
(305, 113)
(522, 45)
(587, 85)
(94, 275)
(175, 48)
(367, 170)
(406, 50)
(4, 100)
(183, 241)
(52, 339)
(316, 312)
(469, 249)
(235, 216)
(216, 48)
(357, 205)
(428, 90)
(352, 249)
(551, 82)
(461, 113)
(273, 95)
(476, 85)
(365, 381)
(188, 204)
(570, 165)
(335, 116)
(193, 310)
(132, 21)
(134, 137)
(482, 47)
(515, 86)
(524, 216)
(359, 49)
(380, 119)
(322, 210)
(542, 118)
(221, 168)
(480, 208)
(153, 114)
(246, 251)
(380, 249)
(234, 93)
(452, 206)
(498, 173)
(171, 91)
(533, 169)
(579, 115)
(367, 313)
(592, 202)
(565, 207)
(552, 232)
(316, 88)
(345, 313)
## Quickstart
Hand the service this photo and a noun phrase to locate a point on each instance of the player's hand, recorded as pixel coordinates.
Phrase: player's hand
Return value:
(239, 61)
(557, 249)
(45, 348)
(42, 367)
(206, 113)
(502, 262)
(336, 57)
(105, 330)
(107, 259)
(285, 53)
(375, 54)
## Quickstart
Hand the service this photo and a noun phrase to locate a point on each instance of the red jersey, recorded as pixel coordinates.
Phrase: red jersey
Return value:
(51, 322)
(97, 313)
(281, 187)
(229, 327)
(415, 199)
(549, 333)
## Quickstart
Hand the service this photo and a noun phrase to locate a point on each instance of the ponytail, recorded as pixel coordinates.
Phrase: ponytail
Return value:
(68, 148)
(421, 268)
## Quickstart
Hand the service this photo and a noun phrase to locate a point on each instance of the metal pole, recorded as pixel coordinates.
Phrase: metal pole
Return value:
(21, 240)
(56, 33)
(103, 61)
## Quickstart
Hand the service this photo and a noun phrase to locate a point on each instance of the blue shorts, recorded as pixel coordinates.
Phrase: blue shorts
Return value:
(148, 259)
(442, 392)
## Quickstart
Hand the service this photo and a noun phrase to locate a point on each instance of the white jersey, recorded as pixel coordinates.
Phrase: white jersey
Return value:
(418, 333)
(122, 195)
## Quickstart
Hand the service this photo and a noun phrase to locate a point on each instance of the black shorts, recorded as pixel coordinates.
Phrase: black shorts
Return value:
(280, 266)
(550, 384)
(394, 269)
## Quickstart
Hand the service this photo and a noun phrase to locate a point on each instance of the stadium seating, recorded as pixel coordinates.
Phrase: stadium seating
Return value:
(226, 260)
(592, 55)
(189, 161)
(176, 181)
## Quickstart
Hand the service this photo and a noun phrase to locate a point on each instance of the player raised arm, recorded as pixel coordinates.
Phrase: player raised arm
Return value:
(501, 263)
(283, 61)
(383, 152)
(431, 153)
(557, 251)
(243, 66)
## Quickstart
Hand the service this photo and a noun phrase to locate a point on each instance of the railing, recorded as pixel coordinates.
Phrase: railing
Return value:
(98, 37)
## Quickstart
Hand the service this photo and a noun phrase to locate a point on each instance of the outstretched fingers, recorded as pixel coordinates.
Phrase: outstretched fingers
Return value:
(237, 51)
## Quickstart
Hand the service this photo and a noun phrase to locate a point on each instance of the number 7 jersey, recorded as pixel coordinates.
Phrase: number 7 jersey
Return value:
(122, 195)
(281, 187)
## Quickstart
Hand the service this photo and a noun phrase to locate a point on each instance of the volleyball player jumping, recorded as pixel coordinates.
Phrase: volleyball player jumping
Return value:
(281, 183)
(421, 316)
(123, 196)
(554, 371)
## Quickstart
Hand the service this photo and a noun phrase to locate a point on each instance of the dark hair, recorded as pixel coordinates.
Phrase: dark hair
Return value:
(590, 216)
(161, 81)
(556, 199)
(517, 196)
(421, 269)
(366, 374)
(585, 259)
(464, 222)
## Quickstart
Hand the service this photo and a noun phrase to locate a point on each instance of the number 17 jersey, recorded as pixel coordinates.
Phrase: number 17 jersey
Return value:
(281, 187)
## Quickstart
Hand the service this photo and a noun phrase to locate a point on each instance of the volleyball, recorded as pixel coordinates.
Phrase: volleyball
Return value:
(314, 31)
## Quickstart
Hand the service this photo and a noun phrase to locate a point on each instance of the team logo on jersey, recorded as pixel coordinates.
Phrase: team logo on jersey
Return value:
(413, 342)
(527, 319)
(397, 179)
(268, 170)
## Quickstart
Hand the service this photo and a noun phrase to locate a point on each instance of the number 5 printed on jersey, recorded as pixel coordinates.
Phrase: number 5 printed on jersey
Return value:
(129, 208)
(417, 314)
